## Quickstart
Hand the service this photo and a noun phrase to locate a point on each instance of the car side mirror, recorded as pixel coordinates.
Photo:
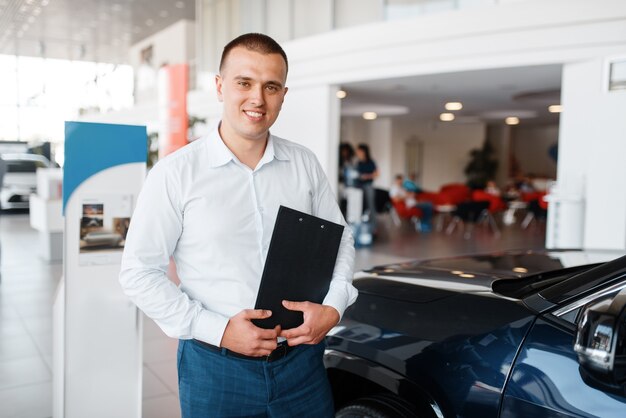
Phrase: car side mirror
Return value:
(601, 344)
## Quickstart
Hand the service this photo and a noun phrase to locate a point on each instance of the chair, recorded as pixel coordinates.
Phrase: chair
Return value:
(467, 213)
(400, 211)
(537, 209)
(496, 204)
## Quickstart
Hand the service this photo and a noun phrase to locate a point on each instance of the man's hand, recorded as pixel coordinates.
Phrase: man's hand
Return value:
(318, 320)
(243, 337)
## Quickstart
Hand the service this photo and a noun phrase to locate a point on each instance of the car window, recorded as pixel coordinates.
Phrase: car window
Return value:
(572, 311)
(24, 166)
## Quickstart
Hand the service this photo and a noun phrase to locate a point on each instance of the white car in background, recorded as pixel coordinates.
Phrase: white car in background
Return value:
(20, 179)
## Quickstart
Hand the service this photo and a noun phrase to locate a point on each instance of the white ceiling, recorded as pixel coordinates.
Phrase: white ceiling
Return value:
(91, 30)
(486, 95)
(103, 30)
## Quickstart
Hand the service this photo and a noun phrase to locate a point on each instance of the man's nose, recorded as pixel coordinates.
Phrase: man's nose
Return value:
(257, 95)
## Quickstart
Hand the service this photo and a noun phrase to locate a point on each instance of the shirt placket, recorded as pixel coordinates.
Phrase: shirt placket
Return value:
(258, 214)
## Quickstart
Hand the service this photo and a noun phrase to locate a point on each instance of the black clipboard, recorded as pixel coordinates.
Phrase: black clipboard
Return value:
(299, 265)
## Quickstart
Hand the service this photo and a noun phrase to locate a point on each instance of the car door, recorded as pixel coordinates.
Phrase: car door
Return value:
(546, 380)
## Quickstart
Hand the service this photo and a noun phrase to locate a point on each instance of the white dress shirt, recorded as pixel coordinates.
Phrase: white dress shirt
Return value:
(215, 216)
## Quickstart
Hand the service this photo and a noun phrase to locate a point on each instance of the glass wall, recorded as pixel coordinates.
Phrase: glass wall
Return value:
(39, 94)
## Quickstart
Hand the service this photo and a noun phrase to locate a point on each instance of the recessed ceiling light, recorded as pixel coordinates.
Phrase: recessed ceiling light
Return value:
(555, 108)
(116, 7)
(180, 4)
(341, 94)
(149, 22)
(164, 13)
(446, 117)
(454, 106)
(369, 115)
(512, 120)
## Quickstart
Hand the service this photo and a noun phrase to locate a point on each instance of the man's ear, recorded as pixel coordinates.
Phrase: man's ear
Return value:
(218, 87)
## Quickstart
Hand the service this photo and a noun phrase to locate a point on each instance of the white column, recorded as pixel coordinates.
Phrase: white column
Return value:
(591, 159)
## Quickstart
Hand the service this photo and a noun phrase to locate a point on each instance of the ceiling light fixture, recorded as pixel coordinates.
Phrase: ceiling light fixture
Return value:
(454, 106)
(369, 115)
(446, 117)
(164, 13)
(341, 94)
(555, 108)
(180, 4)
(149, 22)
(512, 120)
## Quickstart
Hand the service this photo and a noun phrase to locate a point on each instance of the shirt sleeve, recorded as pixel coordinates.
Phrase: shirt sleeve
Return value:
(341, 293)
(155, 228)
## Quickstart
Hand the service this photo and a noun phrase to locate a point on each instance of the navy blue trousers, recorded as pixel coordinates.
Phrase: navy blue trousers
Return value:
(215, 384)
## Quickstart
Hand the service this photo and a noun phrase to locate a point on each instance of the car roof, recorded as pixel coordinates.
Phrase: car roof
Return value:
(24, 157)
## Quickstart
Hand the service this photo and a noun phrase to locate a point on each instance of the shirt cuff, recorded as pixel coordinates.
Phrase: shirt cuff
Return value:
(209, 327)
(337, 300)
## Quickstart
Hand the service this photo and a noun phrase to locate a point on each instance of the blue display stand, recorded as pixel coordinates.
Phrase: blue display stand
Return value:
(97, 338)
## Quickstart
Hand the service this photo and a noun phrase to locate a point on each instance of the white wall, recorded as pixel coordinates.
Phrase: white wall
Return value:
(445, 147)
(500, 138)
(530, 145)
(592, 146)
(506, 35)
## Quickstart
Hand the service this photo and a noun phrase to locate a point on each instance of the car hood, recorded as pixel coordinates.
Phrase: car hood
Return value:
(477, 273)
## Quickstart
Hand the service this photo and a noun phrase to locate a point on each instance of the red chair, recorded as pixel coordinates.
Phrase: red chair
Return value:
(401, 211)
(456, 192)
(496, 204)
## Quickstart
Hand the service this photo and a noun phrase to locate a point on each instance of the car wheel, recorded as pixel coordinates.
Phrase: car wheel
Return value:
(377, 406)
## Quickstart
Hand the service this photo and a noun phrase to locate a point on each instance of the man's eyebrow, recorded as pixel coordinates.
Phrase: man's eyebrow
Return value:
(269, 83)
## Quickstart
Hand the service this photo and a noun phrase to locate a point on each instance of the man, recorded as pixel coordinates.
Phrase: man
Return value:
(404, 190)
(213, 205)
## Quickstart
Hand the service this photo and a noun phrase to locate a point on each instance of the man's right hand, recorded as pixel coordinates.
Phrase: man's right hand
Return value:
(243, 337)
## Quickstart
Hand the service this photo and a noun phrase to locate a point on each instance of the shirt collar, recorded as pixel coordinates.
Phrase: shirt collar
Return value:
(220, 155)
(218, 152)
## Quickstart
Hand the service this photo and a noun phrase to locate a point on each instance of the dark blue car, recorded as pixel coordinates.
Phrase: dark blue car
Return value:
(516, 334)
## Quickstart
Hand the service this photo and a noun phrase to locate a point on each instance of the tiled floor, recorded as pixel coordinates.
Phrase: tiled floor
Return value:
(29, 283)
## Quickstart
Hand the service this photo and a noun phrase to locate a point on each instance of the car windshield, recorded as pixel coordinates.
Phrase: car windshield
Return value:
(521, 288)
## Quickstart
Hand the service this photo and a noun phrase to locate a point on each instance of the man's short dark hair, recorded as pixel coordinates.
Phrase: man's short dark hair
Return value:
(256, 42)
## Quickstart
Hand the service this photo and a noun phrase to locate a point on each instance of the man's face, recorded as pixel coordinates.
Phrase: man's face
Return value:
(252, 87)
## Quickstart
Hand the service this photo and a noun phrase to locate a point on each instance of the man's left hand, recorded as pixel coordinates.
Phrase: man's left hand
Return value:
(318, 320)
